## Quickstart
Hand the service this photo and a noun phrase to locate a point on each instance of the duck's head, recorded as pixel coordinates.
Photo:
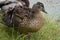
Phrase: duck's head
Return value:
(39, 6)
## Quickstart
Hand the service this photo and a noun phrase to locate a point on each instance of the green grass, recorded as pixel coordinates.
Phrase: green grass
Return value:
(50, 31)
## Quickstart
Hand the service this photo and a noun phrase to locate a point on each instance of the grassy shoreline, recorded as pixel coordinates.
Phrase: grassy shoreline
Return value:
(50, 31)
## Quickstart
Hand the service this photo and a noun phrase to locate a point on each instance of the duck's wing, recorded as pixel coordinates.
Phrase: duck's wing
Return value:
(9, 3)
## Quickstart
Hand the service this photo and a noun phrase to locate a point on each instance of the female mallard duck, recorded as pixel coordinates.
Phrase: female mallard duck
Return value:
(28, 20)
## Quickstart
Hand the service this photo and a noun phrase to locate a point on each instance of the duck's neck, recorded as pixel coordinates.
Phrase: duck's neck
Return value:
(36, 10)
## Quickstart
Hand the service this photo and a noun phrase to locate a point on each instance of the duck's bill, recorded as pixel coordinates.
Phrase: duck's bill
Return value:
(44, 11)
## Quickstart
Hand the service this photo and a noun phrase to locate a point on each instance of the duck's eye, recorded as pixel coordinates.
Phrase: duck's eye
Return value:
(38, 6)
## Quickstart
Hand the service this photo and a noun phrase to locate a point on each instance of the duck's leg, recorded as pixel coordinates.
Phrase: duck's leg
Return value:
(27, 37)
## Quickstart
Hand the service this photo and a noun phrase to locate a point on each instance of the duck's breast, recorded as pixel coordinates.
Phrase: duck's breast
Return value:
(31, 25)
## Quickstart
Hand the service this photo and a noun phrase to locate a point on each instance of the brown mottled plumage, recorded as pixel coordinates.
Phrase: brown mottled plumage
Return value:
(28, 20)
